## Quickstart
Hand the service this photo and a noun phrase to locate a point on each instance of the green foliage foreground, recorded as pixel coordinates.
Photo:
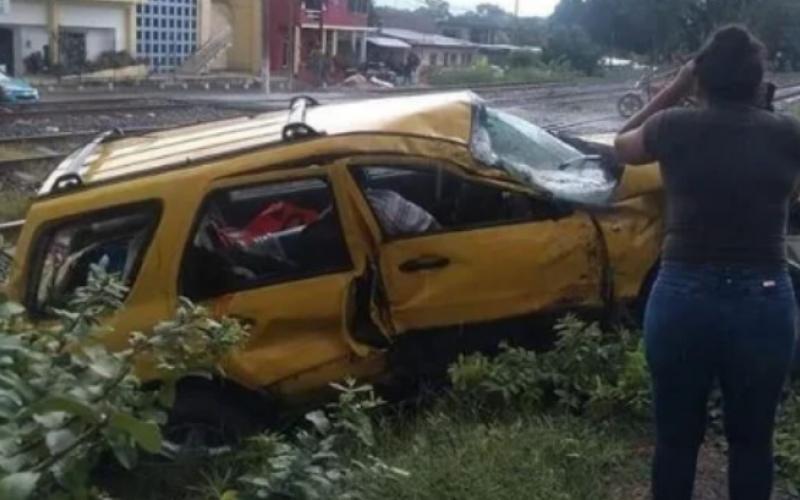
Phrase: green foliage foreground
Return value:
(65, 399)
(567, 423)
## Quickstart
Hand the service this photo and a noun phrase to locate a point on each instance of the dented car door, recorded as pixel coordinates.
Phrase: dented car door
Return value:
(271, 250)
(454, 249)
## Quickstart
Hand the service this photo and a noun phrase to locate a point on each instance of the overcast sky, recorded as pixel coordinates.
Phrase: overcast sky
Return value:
(526, 7)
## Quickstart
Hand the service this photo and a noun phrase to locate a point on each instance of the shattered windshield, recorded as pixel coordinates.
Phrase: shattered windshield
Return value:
(533, 156)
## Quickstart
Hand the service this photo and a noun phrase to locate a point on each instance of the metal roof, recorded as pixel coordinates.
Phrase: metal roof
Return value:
(387, 42)
(426, 39)
(441, 116)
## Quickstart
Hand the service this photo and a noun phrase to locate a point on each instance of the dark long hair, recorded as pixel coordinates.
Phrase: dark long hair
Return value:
(731, 65)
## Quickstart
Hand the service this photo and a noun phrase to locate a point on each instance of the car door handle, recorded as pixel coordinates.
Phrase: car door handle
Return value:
(423, 263)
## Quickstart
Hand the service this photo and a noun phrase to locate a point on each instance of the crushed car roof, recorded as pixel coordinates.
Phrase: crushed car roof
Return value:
(440, 116)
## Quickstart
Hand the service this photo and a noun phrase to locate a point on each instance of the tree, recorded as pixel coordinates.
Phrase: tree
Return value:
(573, 45)
(439, 9)
(491, 10)
(663, 27)
(530, 31)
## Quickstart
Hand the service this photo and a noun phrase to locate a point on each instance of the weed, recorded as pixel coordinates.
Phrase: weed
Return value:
(451, 456)
(589, 371)
(65, 399)
(314, 464)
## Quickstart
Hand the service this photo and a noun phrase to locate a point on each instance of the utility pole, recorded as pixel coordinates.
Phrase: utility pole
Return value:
(265, 46)
(292, 41)
(322, 44)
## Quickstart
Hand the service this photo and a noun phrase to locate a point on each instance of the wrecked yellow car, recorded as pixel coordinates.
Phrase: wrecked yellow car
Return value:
(347, 236)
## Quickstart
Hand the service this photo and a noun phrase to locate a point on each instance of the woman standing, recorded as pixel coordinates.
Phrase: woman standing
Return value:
(723, 307)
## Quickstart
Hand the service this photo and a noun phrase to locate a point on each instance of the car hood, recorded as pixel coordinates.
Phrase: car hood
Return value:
(15, 84)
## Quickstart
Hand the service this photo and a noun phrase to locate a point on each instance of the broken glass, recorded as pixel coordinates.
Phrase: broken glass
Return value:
(538, 159)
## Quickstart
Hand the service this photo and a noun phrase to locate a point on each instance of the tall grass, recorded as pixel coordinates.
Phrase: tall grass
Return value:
(483, 74)
(527, 456)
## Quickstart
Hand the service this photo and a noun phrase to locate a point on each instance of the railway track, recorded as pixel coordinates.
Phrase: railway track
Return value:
(55, 146)
(105, 107)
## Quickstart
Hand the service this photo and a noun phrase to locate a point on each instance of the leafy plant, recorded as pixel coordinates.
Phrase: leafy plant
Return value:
(588, 371)
(65, 399)
(787, 442)
(314, 464)
(513, 376)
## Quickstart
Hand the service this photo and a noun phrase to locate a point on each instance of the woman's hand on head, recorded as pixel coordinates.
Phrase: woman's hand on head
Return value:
(630, 142)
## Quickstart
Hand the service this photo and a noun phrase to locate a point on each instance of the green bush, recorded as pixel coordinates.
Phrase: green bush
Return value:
(787, 441)
(472, 75)
(523, 59)
(588, 372)
(65, 399)
(513, 377)
(318, 463)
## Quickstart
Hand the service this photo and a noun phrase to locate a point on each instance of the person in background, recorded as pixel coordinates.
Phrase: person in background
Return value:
(412, 64)
(722, 308)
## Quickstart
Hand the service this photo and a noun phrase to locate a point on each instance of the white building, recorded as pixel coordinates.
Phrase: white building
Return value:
(435, 50)
(64, 31)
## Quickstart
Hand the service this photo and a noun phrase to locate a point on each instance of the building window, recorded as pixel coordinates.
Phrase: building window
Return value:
(167, 20)
(358, 6)
(434, 59)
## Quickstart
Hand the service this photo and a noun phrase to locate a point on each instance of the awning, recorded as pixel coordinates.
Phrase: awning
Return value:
(388, 43)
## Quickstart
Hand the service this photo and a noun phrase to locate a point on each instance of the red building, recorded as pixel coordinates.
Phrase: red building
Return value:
(296, 28)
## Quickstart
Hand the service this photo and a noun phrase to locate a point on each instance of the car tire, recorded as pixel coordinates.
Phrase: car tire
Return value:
(208, 418)
(629, 104)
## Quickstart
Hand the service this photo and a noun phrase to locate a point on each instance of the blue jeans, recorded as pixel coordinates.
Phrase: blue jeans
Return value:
(729, 323)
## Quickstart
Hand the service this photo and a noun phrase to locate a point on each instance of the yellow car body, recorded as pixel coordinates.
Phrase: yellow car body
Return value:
(307, 322)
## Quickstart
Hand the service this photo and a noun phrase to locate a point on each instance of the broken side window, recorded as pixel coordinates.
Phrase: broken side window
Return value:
(261, 234)
(536, 158)
(409, 201)
(117, 239)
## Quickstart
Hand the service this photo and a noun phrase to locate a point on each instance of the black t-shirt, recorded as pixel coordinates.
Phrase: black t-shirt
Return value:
(729, 172)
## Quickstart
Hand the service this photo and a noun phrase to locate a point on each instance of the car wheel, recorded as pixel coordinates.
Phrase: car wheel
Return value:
(208, 419)
(629, 104)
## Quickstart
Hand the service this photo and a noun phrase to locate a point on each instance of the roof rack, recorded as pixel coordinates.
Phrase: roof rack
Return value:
(297, 128)
(68, 173)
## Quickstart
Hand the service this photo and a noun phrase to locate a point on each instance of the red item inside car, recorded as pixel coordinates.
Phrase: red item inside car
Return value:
(275, 217)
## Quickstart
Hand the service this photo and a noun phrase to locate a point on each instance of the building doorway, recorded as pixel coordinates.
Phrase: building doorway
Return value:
(72, 48)
(7, 51)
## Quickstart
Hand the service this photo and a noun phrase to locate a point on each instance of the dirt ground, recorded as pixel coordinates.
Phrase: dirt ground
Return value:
(711, 482)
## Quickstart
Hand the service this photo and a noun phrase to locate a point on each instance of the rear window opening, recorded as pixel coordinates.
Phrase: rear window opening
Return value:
(117, 239)
(261, 234)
